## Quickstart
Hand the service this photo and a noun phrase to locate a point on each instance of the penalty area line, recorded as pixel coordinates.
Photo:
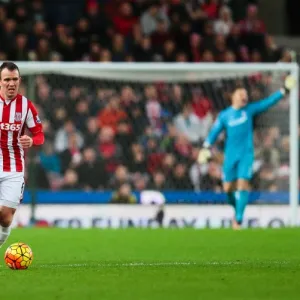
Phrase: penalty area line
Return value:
(140, 264)
(157, 264)
(161, 264)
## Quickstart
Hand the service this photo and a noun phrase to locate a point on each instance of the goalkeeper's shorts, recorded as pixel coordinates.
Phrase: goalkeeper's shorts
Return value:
(241, 168)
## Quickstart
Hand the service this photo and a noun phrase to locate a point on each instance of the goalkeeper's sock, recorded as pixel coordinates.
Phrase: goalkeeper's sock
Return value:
(241, 198)
(231, 198)
(4, 234)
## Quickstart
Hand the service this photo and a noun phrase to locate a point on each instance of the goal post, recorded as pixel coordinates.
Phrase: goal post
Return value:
(185, 73)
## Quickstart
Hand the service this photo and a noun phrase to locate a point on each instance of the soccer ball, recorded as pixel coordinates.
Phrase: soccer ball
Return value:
(18, 256)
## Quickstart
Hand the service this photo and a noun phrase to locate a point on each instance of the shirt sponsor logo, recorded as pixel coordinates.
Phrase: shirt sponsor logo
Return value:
(10, 127)
(242, 119)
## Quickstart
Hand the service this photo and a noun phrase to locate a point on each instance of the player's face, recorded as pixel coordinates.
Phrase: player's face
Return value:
(9, 83)
(240, 98)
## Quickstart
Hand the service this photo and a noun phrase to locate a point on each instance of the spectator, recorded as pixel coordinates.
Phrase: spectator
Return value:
(118, 48)
(267, 152)
(210, 7)
(125, 20)
(138, 120)
(168, 164)
(50, 161)
(271, 51)
(37, 10)
(220, 47)
(22, 18)
(128, 98)
(70, 181)
(180, 179)
(207, 57)
(138, 162)
(124, 137)
(63, 43)
(168, 52)
(105, 55)
(159, 36)
(195, 44)
(252, 24)
(182, 38)
(143, 51)
(123, 195)
(71, 156)
(121, 176)
(224, 24)
(62, 136)
(39, 31)
(82, 37)
(151, 17)
(19, 52)
(189, 124)
(168, 141)
(8, 34)
(92, 133)
(197, 15)
(178, 10)
(183, 148)
(42, 52)
(109, 150)
(159, 181)
(140, 183)
(229, 57)
(234, 40)
(81, 115)
(212, 181)
(100, 25)
(112, 114)
(267, 179)
(153, 109)
(91, 171)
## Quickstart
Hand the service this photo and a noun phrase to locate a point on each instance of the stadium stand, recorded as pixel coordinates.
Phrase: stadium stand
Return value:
(136, 136)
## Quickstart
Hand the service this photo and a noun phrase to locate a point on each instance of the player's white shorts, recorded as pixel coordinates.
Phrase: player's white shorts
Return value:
(11, 188)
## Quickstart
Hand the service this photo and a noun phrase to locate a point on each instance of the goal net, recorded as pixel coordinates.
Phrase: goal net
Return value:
(152, 119)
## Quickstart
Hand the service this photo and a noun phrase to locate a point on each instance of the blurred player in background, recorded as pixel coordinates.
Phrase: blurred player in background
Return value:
(237, 121)
(16, 114)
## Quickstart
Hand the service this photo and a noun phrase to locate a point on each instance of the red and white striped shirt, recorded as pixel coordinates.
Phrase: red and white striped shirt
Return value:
(15, 116)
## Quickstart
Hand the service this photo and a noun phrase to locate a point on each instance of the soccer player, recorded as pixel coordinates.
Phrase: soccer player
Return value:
(16, 114)
(237, 122)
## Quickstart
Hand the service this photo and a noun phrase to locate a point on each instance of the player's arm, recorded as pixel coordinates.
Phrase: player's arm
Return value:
(34, 125)
(205, 153)
(265, 104)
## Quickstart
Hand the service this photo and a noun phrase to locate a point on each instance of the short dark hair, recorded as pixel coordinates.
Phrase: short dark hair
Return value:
(10, 66)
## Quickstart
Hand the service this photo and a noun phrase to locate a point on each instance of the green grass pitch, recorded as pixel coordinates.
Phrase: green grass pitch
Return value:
(155, 264)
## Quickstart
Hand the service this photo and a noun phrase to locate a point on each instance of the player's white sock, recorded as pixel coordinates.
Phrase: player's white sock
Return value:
(4, 234)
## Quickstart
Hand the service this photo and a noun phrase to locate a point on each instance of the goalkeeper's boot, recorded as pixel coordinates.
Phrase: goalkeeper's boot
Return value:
(235, 225)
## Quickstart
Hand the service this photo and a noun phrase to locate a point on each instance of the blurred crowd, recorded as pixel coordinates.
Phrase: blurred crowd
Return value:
(134, 137)
(123, 136)
(136, 31)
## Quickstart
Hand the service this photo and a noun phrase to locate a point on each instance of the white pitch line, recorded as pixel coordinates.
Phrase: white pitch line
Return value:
(155, 264)
(111, 265)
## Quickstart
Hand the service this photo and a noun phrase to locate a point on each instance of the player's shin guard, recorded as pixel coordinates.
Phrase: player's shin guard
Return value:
(231, 198)
(241, 202)
(4, 234)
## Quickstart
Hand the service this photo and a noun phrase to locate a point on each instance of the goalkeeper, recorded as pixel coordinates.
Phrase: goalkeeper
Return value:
(237, 121)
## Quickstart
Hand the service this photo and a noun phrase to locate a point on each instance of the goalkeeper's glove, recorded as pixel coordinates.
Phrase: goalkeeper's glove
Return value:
(289, 83)
(204, 155)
